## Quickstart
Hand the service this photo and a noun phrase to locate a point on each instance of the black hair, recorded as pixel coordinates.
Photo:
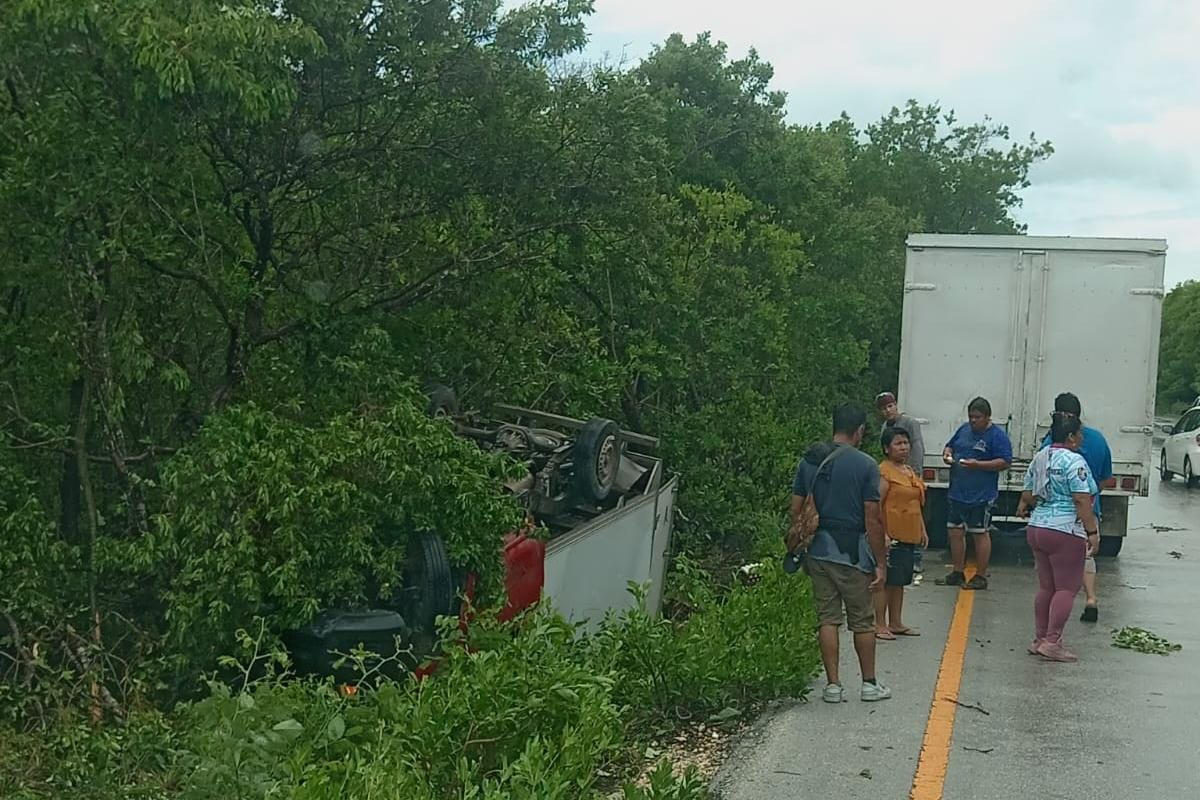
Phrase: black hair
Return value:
(848, 418)
(981, 405)
(1069, 403)
(1063, 425)
(889, 435)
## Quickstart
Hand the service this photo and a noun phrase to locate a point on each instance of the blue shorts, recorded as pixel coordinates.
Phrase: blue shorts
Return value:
(976, 518)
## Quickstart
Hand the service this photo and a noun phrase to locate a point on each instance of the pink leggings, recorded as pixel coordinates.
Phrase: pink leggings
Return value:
(1059, 558)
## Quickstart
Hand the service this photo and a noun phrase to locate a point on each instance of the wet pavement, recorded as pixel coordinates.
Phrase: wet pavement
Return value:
(1118, 724)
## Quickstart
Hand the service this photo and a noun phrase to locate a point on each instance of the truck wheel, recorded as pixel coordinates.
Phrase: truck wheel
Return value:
(430, 587)
(1163, 472)
(597, 458)
(442, 402)
(1110, 546)
(1189, 478)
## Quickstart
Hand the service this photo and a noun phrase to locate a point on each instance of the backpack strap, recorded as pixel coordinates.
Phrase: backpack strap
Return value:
(812, 482)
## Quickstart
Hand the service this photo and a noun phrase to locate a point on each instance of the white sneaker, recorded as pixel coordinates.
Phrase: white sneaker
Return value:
(834, 693)
(874, 692)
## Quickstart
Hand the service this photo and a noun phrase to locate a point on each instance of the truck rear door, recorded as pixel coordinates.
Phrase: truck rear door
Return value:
(962, 335)
(1093, 323)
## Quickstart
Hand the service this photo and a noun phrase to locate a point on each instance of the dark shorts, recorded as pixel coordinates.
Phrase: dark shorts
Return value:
(901, 558)
(975, 518)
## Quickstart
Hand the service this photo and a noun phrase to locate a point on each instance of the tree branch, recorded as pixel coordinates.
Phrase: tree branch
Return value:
(205, 285)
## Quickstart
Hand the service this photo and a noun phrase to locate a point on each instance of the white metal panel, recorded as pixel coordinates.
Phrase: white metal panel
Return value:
(990, 242)
(1100, 341)
(664, 523)
(958, 338)
(588, 570)
(1019, 319)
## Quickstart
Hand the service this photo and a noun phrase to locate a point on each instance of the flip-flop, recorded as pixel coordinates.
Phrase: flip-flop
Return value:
(906, 632)
(886, 636)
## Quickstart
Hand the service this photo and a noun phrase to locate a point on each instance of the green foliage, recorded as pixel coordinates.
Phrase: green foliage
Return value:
(74, 759)
(33, 561)
(266, 513)
(1178, 361)
(1143, 641)
(529, 710)
(237, 234)
(663, 784)
(753, 643)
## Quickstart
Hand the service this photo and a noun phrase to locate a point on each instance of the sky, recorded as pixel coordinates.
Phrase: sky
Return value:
(1115, 87)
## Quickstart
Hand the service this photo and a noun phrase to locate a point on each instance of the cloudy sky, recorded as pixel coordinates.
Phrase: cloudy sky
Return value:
(1115, 86)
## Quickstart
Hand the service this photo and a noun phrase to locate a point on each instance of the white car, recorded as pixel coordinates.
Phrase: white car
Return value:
(1181, 450)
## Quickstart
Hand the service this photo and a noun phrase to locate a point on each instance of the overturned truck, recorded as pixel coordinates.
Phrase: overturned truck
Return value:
(599, 492)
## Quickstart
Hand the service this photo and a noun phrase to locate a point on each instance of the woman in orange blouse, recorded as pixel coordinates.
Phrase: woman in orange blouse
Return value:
(902, 500)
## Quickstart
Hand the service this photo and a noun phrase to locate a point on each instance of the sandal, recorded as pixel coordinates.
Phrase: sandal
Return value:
(978, 582)
(885, 635)
(906, 631)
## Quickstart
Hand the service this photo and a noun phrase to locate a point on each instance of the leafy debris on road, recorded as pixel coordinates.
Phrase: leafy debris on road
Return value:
(866, 773)
(1143, 641)
(984, 750)
(1174, 554)
(1159, 528)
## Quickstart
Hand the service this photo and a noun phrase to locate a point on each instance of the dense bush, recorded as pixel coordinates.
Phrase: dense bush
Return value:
(269, 518)
(529, 710)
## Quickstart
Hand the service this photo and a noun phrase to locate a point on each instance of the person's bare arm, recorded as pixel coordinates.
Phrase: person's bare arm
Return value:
(1028, 501)
(873, 514)
(1091, 525)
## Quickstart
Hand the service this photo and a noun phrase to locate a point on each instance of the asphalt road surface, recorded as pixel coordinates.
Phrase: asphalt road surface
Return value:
(1002, 723)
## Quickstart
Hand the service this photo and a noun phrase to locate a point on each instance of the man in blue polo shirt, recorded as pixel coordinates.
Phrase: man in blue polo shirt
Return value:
(977, 453)
(1096, 453)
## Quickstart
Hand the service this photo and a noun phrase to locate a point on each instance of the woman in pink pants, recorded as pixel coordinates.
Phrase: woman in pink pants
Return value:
(1063, 532)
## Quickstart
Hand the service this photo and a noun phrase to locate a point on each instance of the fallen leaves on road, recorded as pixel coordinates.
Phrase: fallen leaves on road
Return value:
(984, 750)
(1143, 641)
(1174, 554)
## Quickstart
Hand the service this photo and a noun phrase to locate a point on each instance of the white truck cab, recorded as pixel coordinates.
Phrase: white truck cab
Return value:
(1017, 320)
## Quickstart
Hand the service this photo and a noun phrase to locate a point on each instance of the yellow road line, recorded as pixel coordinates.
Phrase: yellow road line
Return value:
(930, 778)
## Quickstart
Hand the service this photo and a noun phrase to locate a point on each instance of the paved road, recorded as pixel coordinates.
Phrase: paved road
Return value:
(1118, 724)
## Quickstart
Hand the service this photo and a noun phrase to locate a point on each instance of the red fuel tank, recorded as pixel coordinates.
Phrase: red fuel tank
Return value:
(524, 573)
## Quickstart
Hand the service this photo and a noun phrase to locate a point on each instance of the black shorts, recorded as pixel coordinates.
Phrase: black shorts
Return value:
(900, 560)
(975, 518)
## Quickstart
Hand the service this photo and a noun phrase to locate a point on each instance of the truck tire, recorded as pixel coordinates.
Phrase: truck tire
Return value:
(597, 459)
(429, 582)
(442, 402)
(1110, 546)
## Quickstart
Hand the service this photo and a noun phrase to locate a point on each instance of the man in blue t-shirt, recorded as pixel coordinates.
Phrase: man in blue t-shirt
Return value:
(977, 453)
(1096, 453)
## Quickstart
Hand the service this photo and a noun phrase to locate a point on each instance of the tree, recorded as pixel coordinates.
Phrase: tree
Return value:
(1178, 362)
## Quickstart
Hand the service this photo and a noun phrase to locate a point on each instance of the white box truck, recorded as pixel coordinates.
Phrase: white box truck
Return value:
(1017, 320)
